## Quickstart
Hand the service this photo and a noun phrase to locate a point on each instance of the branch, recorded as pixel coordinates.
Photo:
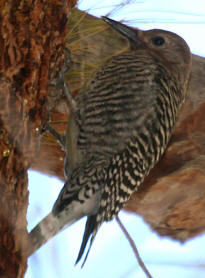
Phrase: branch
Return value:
(134, 247)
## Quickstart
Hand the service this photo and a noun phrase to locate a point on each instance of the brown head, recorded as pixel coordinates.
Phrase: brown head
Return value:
(164, 45)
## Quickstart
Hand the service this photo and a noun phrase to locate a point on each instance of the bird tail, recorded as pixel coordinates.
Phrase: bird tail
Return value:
(90, 231)
(44, 231)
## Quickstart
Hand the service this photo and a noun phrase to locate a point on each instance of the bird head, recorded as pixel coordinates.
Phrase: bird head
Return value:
(166, 46)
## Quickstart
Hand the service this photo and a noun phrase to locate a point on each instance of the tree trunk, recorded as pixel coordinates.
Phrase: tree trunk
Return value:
(32, 41)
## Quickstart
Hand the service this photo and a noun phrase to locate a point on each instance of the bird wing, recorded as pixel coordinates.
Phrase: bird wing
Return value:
(121, 97)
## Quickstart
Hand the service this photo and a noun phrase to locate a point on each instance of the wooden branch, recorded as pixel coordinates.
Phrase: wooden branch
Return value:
(32, 50)
(134, 247)
(171, 199)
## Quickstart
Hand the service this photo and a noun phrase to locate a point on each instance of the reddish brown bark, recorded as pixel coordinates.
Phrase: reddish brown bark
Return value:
(32, 38)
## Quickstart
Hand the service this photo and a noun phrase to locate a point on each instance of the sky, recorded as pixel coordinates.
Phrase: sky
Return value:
(111, 255)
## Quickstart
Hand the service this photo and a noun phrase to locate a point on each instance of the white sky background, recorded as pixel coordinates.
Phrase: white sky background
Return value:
(111, 255)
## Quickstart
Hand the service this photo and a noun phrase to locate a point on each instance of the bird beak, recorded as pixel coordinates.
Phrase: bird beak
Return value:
(128, 32)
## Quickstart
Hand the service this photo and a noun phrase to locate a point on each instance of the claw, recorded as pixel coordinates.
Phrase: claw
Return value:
(61, 80)
(60, 138)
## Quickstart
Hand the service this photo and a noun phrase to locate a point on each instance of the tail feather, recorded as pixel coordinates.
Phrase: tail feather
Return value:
(90, 230)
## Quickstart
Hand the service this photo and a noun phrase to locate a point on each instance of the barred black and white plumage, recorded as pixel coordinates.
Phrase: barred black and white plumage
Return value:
(118, 130)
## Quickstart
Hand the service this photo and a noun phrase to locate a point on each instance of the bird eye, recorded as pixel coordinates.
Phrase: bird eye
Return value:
(158, 41)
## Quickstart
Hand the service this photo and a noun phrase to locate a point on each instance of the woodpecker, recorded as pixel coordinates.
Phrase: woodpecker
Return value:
(119, 127)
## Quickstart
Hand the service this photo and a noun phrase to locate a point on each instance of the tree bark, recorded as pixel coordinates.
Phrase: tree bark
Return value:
(32, 41)
(171, 199)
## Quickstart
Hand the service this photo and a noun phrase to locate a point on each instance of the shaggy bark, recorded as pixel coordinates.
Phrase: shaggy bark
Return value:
(32, 49)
